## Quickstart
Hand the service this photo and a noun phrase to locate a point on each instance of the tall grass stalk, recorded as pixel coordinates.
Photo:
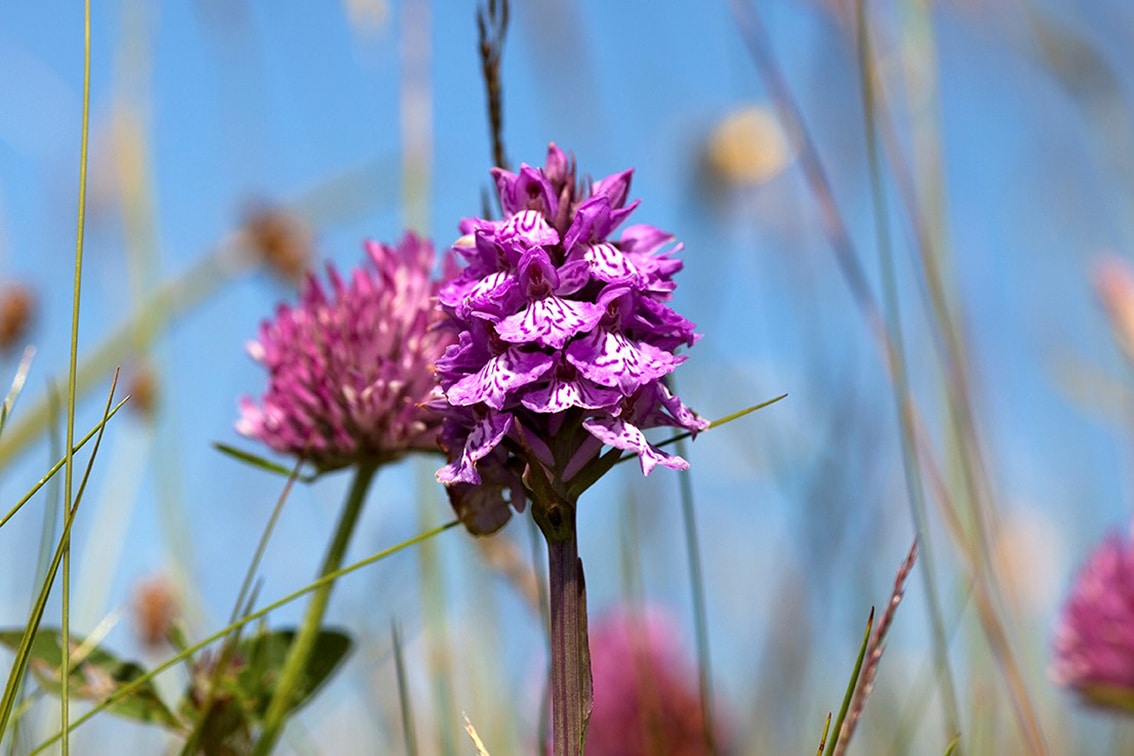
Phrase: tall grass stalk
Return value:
(68, 475)
(700, 612)
(96, 430)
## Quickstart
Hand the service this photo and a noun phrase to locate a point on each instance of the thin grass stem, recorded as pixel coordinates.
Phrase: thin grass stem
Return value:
(700, 611)
(408, 730)
(65, 691)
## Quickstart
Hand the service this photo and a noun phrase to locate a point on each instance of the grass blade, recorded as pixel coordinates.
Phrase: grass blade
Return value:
(851, 685)
(19, 665)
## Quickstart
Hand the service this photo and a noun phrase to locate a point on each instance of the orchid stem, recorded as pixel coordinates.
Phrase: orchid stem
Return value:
(298, 657)
(571, 691)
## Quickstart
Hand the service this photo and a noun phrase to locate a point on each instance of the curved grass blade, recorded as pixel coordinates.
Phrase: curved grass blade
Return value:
(408, 730)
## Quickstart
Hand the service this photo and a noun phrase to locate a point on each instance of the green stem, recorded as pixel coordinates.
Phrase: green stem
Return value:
(298, 656)
(571, 691)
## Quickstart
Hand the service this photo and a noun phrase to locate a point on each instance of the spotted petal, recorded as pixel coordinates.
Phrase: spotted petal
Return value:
(527, 229)
(482, 439)
(610, 359)
(608, 264)
(501, 374)
(561, 394)
(622, 435)
(490, 297)
(549, 322)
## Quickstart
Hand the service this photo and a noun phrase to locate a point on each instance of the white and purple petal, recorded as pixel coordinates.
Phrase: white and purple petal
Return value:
(503, 373)
(549, 322)
(607, 263)
(622, 435)
(492, 296)
(610, 359)
(482, 439)
(527, 229)
(561, 393)
(614, 187)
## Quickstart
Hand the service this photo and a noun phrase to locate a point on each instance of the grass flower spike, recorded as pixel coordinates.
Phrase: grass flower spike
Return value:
(1094, 640)
(349, 365)
(565, 341)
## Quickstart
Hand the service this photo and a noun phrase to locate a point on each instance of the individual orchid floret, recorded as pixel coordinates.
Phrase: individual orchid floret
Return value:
(1094, 639)
(350, 365)
(566, 337)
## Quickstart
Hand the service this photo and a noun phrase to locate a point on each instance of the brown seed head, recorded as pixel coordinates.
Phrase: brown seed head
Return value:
(155, 608)
(17, 306)
(281, 238)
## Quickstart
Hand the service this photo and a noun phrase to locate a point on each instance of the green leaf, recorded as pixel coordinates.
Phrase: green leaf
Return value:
(94, 678)
(265, 654)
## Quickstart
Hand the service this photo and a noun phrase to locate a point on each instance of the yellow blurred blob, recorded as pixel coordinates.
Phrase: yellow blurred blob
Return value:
(367, 17)
(747, 148)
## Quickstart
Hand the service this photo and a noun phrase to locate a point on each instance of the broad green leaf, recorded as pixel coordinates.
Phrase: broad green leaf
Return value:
(265, 654)
(94, 678)
(254, 667)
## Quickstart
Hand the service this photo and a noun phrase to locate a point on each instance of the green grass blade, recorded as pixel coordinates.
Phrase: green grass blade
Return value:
(19, 665)
(700, 612)
(408, 731)
(851, 685)
(59, 465)
(64, 696)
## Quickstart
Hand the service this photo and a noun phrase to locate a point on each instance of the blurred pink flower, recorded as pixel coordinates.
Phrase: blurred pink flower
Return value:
(646, 699)
(349, 367)
(1094, 639)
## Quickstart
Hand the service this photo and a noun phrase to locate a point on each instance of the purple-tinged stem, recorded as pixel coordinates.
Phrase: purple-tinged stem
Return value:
(571, 690)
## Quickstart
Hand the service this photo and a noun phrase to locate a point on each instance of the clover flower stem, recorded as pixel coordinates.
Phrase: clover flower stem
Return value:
(299, 654)
(571, 691)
